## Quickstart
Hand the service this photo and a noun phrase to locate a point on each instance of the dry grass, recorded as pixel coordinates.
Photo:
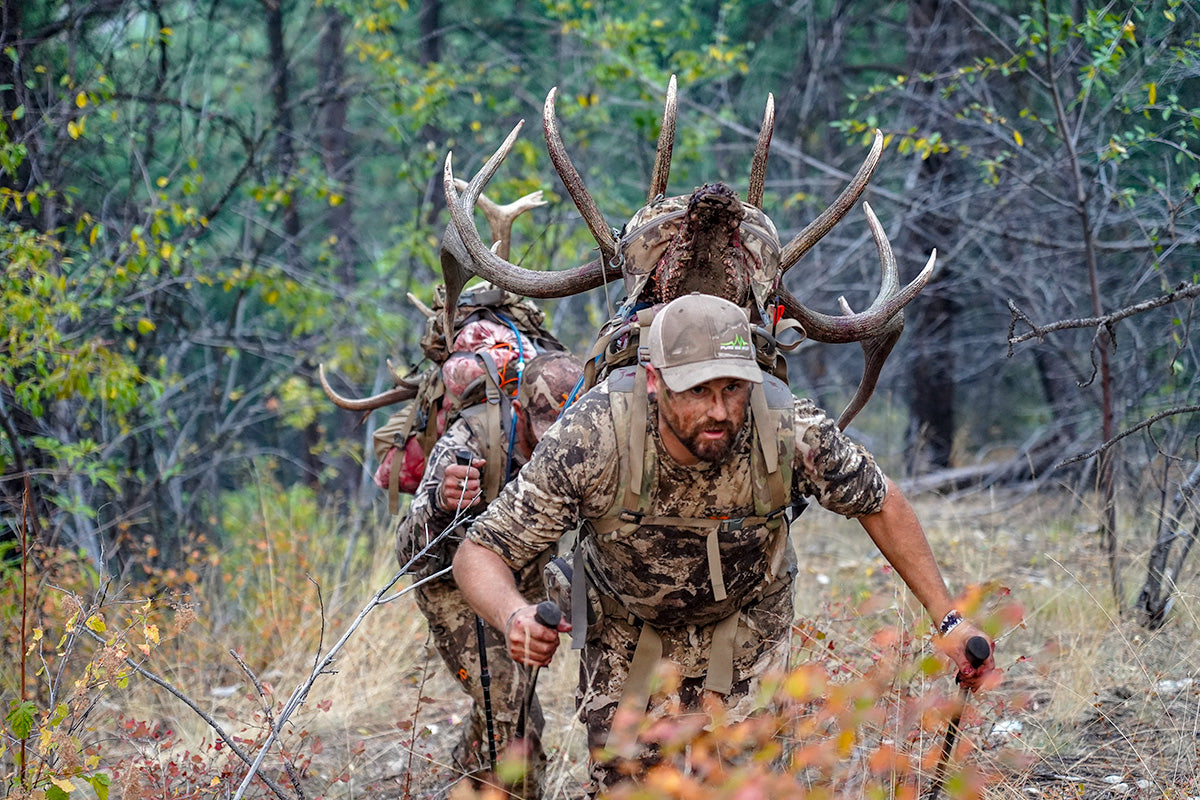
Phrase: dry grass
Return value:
(1091, 702)
(1097, 697)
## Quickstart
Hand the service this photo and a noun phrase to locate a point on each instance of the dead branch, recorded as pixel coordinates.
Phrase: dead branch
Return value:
(230, 741)
(1183, 291)
(1146, 423)
(322, 666)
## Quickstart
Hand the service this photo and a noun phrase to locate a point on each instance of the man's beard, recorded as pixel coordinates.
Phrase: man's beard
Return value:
(715, 451)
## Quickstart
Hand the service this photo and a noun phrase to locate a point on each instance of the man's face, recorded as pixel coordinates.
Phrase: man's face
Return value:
(706, 418)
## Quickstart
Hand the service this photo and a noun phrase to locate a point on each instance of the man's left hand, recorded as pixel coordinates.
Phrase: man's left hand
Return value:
(954, 645)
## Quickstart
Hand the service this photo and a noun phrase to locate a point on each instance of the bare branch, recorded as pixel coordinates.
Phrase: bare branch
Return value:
(230, 741)
(1183, 291)
(1170, 412)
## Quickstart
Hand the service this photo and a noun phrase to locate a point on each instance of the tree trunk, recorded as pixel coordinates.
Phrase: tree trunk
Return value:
(429, 22)
(339, 173)
(933, 25)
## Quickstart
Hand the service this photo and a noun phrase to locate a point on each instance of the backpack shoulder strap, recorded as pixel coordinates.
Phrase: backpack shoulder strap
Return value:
(496, 411)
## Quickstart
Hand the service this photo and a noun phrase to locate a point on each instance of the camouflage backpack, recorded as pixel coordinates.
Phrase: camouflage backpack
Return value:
(495, 333)
(643, 243)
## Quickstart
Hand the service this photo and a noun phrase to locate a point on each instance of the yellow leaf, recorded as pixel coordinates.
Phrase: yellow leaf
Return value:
(271, 297)
(92, 236)
(1153, 93)
(74, 130)
(152, 633)
(81, 100)
(96, 623)
(162, 181)
(37, 637)
(144, 326)
(1020, 140)
(166, 249)
(63, 784)
(335, 199)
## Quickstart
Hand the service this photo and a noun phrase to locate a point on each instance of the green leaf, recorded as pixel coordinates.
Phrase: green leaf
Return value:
(20, 718)
(100, 783)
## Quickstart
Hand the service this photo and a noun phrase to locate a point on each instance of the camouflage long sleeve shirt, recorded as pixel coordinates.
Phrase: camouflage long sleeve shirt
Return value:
(574, 476)
(426, 520)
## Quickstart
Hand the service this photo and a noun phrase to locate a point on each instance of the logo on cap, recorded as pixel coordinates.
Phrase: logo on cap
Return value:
(737, 347)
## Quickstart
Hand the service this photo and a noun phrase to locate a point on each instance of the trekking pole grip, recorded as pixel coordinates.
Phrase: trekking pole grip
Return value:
(548, 614)
(978, 650)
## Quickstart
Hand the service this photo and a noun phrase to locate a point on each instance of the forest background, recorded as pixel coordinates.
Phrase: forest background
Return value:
(204, 201)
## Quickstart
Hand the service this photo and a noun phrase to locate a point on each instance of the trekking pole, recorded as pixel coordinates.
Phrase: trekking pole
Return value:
(485, 682)
(978, 651)
(548, 615)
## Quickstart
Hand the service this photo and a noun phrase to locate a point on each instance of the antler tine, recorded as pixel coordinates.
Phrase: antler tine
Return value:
(758, 167)
(878, 328)
(887, 303)
(875, 352)
(666, 144)
(500, 218)
(820, 226)
(462, 244)
(456, 262)
(402, 391)
(574, 183)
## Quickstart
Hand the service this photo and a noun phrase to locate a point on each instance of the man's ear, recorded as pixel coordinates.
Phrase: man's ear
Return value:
(652, 379)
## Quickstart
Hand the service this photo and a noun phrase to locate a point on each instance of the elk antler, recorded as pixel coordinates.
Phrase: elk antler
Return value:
(816, 230)
(500, 218)
(461, 246)
(574, 183)
(873, 320)
(403, 390)
(878, 327)
(758, 167)
(666, 145)
(736, 248)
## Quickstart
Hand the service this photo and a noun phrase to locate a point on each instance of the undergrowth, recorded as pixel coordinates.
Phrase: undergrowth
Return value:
(175, 684)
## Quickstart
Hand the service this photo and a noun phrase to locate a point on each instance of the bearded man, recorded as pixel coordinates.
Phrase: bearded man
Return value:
(680, 474)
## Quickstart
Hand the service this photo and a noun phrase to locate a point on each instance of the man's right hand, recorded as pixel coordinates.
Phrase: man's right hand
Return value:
(461, 486)
(530, 642)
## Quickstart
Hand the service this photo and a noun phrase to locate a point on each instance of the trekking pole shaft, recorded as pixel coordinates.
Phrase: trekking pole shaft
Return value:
(485, 683)
(978, 651)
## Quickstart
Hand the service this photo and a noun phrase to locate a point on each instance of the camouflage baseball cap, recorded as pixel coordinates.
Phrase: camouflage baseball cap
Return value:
(699, 337)
(546, 383)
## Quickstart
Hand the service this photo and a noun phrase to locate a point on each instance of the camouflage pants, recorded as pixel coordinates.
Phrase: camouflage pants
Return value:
(452, 628)
(761, 648)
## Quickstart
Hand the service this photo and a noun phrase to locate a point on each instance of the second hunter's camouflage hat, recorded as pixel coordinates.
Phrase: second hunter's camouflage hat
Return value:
(699, 337)
(546, 383)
